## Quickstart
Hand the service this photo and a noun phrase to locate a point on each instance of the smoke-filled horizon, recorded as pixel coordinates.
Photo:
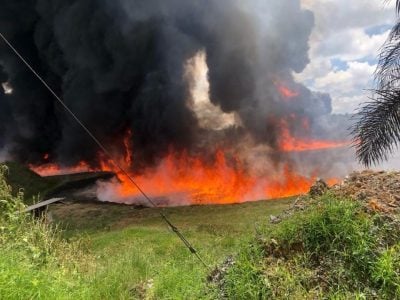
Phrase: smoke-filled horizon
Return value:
(127, 66)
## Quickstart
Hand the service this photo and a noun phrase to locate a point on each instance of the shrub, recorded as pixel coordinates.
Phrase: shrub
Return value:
(34, 261)
(333, 249)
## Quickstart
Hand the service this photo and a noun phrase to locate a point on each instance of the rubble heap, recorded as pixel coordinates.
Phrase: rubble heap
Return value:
(377, 191)
(380, 191)
(319, 188)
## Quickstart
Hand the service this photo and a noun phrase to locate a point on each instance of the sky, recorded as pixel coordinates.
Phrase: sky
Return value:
(344, 47)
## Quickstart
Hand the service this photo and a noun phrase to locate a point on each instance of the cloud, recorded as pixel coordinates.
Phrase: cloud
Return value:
(350, 44)
(351, 36)
(347, 87)
(337, 81)
(335, 15)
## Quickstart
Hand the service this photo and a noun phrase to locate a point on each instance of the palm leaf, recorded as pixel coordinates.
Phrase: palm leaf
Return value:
(387, 74)
(377, 130)
(397, 4)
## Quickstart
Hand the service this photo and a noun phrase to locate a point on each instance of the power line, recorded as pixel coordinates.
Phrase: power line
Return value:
(108, 153)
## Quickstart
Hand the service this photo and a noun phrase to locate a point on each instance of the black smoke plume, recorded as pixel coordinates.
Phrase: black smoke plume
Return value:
(120, 65)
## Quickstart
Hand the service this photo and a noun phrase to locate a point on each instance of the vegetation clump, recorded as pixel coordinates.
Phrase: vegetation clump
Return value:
(334, 249)
(34, 261)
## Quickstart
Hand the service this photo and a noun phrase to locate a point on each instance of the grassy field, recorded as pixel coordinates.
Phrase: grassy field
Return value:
(327, 248)
(117, 251)
(134, 247)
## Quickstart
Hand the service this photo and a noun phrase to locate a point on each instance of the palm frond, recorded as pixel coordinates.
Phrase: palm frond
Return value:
(387, 74)
(397, 5)
(377, 130)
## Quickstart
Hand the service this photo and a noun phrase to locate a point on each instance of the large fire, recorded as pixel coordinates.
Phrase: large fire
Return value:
(186, 179)
(227, 177)
(190, 179)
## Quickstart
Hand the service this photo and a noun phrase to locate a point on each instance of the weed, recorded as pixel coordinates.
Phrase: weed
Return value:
(333, 249)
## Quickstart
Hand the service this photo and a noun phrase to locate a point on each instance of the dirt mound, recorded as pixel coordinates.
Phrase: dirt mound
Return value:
(379, 191)
(319, 188)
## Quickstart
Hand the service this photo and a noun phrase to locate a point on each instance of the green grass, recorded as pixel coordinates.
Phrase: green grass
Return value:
(34, 262)
(112, 251)
(134, 246)
(332, 250)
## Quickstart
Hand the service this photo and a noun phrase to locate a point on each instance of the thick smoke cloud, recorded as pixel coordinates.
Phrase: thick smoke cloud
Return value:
(120, 66)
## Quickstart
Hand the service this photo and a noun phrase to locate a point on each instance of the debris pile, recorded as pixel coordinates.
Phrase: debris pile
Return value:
(319, 188)
(379, 191)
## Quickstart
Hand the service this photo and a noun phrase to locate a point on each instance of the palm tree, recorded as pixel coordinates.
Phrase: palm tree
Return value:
(377, 128)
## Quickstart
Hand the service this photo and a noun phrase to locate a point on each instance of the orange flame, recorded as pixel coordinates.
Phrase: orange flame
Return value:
(289, 184)
(191, 179)
(55, 169)
(285, 92)
(181, 176)
(289, 143)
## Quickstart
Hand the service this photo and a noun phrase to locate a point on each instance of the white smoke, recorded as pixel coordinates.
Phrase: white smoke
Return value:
(8, 89)
(208, 115)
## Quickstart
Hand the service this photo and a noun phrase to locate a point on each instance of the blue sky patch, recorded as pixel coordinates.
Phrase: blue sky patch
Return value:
(378, 29)
(339, 64)
(370, 60)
